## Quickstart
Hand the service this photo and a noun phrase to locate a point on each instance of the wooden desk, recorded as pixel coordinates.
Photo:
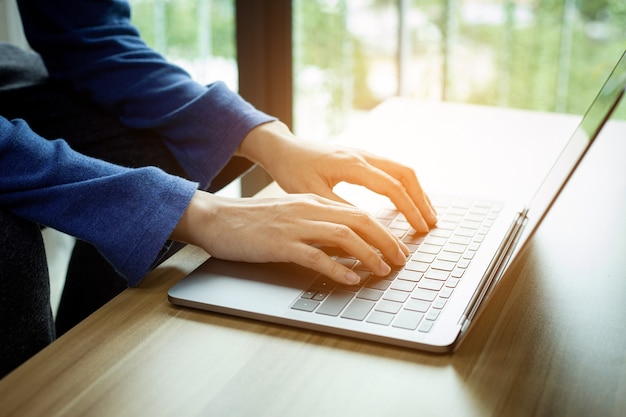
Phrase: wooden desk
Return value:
(551, 341)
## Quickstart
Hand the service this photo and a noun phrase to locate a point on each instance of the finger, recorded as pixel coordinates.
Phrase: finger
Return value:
(341, 236)
(317, 260)
(411, 184)
(382, 183)
(378, 236)
(357, 233)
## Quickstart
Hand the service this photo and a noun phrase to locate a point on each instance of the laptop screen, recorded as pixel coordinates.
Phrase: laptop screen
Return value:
(594, 119)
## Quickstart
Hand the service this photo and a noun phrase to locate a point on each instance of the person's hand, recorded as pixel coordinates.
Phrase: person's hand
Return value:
(292, 228)
(299, 166)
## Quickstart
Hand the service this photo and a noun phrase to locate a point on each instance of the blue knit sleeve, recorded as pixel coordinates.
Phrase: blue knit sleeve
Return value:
(128, 214)
(92, 45)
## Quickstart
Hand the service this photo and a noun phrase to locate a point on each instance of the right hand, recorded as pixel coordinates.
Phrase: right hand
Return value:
(302, 166)
(289, 229)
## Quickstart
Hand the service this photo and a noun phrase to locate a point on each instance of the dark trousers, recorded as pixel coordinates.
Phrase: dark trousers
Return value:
(55, 111)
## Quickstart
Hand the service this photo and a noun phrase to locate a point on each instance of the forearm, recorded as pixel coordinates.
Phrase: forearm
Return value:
(127, 214)
(93, 46)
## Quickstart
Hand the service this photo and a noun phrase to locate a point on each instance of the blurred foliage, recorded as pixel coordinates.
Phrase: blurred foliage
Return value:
(549, 55)
(549, 50)
(174, 27)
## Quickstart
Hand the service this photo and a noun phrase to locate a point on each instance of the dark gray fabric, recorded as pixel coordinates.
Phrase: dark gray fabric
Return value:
(26, 324)
(20, 68)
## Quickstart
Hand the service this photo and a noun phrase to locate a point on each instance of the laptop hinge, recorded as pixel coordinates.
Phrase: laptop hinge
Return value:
(496, 268)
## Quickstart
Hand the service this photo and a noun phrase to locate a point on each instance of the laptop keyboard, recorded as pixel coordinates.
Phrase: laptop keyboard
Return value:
(413, 297)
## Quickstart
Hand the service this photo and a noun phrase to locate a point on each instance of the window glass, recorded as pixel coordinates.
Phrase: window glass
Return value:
(349, 55)
(198, 35)
(546, 55)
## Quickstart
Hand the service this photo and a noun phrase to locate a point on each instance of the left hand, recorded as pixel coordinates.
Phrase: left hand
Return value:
(299, 166)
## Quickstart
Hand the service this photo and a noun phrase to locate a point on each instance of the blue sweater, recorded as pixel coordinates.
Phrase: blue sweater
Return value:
(128, 214)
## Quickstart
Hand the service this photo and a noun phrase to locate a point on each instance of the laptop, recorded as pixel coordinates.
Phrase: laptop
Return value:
(430, 302)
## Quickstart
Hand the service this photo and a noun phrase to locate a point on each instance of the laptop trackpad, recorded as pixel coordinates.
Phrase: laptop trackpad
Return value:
(268, 288)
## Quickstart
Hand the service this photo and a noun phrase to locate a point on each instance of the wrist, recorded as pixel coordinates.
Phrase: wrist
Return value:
(265, 142)
(200, 210)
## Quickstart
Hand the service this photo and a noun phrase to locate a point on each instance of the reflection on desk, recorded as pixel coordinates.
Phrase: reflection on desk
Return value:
(551, 340)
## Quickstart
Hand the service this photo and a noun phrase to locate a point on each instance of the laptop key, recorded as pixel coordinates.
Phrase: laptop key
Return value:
(429, 249)
(475, 217)
(437, 274)
(439, 303)
(304, 304)
(413, 239)
(417, 305)
(455, 248)
(435, 241)
(461, 240)
(451, 218)
(395, 295)
(440, 233)
(347, 262)
(452, 282)
(416, 266)
(446, 225)
(458, 273)
(378, 284)
(446, 292)
(479, 210)
(423, 257)
(335, 302)
(390, 307)
(409, 275)
(323, 283)
(400, 224)
(465, 232)
(431, 284)
(380, 317)
(433, 314)
(469, 224)
(426, 326)
(370, 294)
(320, 296)
(424, 294)
(309, 294)
(443, 265)
(449, 256)
(463, 263)
(402, 285)
(408, 319)
(353, 288)
(412, 247)
(358, 309)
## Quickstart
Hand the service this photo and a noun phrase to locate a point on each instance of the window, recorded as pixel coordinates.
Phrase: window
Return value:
(548, 55)
(349, 55)
(198, 35)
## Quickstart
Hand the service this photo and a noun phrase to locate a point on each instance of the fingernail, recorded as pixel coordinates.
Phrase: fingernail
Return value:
(433, 212)
(384, 269)
(424, 227)
(352, 277)
(400, 257)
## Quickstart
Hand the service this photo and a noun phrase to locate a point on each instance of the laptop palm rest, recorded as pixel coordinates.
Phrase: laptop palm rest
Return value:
(224, 286)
